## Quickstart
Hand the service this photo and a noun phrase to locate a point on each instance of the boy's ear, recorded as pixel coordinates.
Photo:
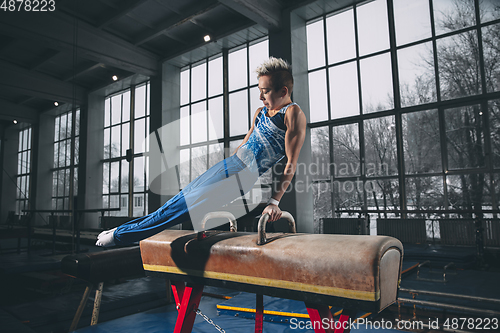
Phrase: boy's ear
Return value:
(284, 91)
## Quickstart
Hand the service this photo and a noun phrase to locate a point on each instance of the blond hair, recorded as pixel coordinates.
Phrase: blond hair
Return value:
(280, 72)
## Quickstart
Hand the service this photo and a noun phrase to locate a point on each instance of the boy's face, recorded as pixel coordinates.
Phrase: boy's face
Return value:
(271, 99)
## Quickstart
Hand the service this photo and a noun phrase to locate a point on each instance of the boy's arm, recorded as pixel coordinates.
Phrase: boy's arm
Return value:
(295, 121)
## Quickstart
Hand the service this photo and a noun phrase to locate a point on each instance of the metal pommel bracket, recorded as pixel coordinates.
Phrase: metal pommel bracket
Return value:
(221, 214)
(262, 238)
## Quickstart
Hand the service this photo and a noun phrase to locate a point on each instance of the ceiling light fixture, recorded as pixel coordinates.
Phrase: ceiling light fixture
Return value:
(115, 78)
(14, 121)
(207, 38)
(56, 103)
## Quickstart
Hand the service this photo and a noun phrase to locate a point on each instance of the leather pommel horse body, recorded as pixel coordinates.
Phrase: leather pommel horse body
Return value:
(348, 271)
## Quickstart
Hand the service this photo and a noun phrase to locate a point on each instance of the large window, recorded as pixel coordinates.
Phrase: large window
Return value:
(205, 136)
(126, 125)
(67, 133)
(23, 171)
(404, 105)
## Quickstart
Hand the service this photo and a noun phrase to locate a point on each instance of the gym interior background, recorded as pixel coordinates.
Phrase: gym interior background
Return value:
(402, 100)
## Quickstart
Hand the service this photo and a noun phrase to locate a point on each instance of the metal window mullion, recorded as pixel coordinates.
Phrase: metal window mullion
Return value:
(249, 111)
(361, 126)
(130, 209)
(225, 93)
(434, 50)
(397, 106)
(207, 115)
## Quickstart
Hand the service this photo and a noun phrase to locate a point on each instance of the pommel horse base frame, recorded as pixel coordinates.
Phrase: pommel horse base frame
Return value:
(285, 270)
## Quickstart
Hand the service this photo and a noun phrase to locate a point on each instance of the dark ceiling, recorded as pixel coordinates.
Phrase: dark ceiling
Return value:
(63, 54)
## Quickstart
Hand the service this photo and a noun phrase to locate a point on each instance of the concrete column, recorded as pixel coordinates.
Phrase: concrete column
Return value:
(290, 43)
(44, 144)
(10, 145)
(164, 121)
(93, 180)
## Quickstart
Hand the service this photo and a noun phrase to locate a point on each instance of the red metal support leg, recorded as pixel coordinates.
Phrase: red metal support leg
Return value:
(259, 313)
(187, 300)
(344, 318)
(321, 318)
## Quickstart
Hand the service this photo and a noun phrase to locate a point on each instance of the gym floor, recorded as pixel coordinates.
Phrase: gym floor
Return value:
(38, 297)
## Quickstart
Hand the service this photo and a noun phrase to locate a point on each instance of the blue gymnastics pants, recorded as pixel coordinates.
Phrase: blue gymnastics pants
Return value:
(218, 186)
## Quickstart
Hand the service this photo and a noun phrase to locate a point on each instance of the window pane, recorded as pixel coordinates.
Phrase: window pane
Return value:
(199, 82)
(184, 167)
(417, 83)
(380, 147)
(115, 141)
(238, 113)
(238, 69)
(148, 97)
(140, 102)
(491, 54)
(198, 161)
(384, 194)
(315, 45)
(185, 129)
(233, 145)
(105, 178)
(458, 59)
(20, 163)
(422, 151)
(139, 135)
(489, 10)
(28, 161)
(29, 138)
(468, 191)
(139, 174)
(341, 38)
(425, 193)
(115, 177)
(63, 153)
(216, 154)
(318, 108)
(185, 87)
(376, 83)
(77, 150)
(126, 106)
(255, 101)
(347, 194)
(452, 15)
(465, 137)
(199, 122)
(344, 96)
(63, 126)
(320, 154)
(107, 115)
(215, 77)
(216, 118)
(373, 31)
(69, 126)
(258, 53)
(107, 147)
(125, 180)
(412, 20)
(125, 138)
(66, 183)
(116, 109)
(494, 112)
(322, 203)
(346, 151)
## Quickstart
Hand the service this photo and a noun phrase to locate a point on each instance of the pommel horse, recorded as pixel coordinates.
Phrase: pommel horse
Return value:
(349, 271)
